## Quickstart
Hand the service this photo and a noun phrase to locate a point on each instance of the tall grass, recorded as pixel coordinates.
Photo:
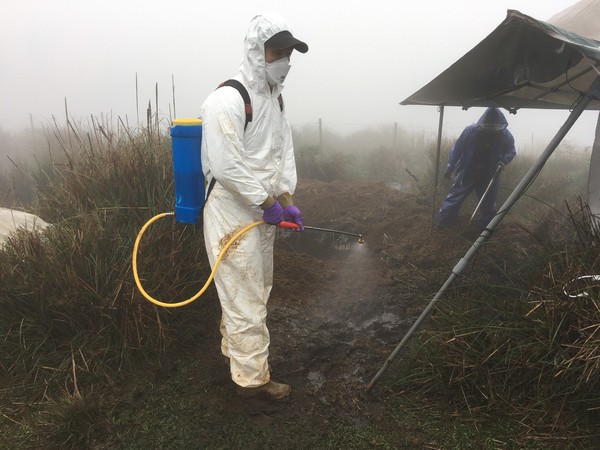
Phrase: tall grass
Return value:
(70, 311)
(524, 350)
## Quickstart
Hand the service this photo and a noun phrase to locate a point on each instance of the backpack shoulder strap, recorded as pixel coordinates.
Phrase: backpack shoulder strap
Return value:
(245, 96)
(247, 109)
(209, 188)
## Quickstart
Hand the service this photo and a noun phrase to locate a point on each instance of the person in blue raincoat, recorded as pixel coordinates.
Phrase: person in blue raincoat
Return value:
(478, 152)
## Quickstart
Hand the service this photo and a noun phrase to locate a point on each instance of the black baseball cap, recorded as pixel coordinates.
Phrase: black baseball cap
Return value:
(284, 39)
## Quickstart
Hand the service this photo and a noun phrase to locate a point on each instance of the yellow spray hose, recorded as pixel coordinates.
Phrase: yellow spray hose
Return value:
(210, 278)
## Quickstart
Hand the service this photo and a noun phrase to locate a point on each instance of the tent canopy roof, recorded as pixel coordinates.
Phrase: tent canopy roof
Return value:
(523, 63)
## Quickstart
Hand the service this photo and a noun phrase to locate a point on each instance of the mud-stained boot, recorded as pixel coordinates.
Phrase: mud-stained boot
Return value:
(269, 391)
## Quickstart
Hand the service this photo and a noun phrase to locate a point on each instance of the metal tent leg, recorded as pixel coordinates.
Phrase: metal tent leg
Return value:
(437, 165)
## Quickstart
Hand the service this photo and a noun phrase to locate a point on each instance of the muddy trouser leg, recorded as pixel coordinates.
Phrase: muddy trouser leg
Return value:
(243, 280)
(452, 203)
(487, 210)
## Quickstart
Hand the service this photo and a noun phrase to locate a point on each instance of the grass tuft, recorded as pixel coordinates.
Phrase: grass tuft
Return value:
(531, 358)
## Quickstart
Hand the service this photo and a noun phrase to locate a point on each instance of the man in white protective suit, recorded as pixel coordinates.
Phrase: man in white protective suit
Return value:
(252, 161)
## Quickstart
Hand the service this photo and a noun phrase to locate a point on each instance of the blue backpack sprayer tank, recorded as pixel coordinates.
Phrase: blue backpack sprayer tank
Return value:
(186, 135)
(186, 138)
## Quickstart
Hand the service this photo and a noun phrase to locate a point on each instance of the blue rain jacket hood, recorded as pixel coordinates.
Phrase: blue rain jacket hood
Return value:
(490, 132)
(492, 119)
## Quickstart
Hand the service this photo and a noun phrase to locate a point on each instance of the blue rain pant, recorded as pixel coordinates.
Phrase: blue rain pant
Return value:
(457, 195)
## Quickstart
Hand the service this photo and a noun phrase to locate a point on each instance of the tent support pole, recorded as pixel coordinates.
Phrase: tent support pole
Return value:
(528, 178)
(593, 186)
(437, 165)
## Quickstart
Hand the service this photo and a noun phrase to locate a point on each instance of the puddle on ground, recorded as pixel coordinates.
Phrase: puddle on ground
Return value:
(386, 320)
(316, 380)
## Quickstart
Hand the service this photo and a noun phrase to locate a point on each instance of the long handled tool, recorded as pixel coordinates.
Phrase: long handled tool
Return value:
(295, 226)
(492, 181)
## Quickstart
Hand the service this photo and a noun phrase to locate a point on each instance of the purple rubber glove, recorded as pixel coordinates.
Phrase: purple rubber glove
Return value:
(291, 213)
(273, 214)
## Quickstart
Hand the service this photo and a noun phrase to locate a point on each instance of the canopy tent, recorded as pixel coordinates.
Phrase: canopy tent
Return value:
(523, 63)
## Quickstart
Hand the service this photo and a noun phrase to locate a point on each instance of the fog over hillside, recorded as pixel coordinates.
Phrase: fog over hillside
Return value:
(363, 60)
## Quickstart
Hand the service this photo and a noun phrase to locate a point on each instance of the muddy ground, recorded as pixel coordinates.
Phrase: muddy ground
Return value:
(339, 308)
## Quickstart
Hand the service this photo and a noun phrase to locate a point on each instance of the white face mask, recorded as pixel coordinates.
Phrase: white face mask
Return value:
(278, 70)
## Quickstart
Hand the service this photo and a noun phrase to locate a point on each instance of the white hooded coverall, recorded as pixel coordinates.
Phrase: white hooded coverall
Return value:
(249, 167)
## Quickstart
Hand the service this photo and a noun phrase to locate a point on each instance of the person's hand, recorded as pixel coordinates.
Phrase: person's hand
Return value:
(273, 214)
(291, 213)
(447, 174)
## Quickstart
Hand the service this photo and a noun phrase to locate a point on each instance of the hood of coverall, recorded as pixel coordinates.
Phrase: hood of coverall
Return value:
(253, 67)
(492, 120)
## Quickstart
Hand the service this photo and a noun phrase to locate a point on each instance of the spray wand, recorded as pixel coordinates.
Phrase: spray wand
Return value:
(295, 226)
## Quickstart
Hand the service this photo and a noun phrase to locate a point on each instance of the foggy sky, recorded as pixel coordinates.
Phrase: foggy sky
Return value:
(364, 58)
